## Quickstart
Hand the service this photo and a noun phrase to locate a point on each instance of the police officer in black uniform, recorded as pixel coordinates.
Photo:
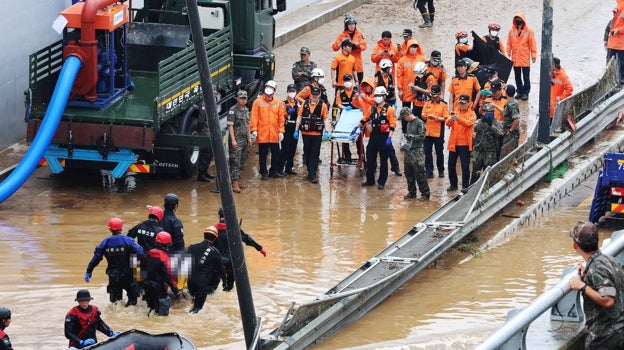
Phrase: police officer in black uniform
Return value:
(289, 144)
(172, 224)
(206, 269)
(5, 321)
(146, 231)
(118, 250)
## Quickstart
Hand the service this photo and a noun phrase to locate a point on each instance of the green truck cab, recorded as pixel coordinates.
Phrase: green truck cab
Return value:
(144, 118)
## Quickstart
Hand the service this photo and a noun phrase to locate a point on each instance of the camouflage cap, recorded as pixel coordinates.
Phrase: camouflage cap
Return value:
(304, 50)
(405, 111)
(241, 93)
(585, 233)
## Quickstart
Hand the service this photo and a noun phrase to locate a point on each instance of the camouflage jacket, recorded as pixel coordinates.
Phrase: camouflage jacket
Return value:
(511, 112)
(485, 137)
(604, 274)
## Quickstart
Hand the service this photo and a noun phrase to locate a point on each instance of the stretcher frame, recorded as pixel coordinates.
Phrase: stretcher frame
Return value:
(343, 134)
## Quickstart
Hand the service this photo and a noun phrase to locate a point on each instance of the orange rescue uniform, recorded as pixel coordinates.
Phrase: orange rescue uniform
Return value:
(521, 44)
(267, 118)
(560, 87)
(358, 39)
(461, 129)
(433, 128)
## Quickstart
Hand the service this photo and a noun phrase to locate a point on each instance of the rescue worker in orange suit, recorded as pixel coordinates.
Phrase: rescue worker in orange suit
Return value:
(120, 252)
(463, 83)
(289, 144)
(145, 232)
(206, 268)
(381, 122)
(421, 87)
(318, 80)
(436, 68)
(435, 113)
(384, 78)
(492, 38)
(460, 142)
(402, 47)
(5, 321)
(615, 40)
(343, 63)
(560, 85)
(158, 275)
(172, 224)
(461, 46)
(356, 37)
(224, 248)
(344, 96)
(405, 72)
(384, 49)
(314, 125)
(522, 50)
(363, 98)
(83, 320)
(267, 127)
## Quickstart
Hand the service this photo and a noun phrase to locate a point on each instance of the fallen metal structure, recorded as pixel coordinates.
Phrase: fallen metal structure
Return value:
(310, 323)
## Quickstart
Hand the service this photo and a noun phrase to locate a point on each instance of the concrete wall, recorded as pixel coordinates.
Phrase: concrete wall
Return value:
(26, 28)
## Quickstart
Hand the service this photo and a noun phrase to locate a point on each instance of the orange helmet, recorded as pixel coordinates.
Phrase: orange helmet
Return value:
(163, 237)
(461, 34)
(156, 211)
(115, 224)
(494, 26)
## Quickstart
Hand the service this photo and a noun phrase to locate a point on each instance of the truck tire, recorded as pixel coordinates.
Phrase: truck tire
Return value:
(189, 154)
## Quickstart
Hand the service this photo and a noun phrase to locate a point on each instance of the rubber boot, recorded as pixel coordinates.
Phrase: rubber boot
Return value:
(241, 185)
(427, 22)
(431, 16)
(235, 187)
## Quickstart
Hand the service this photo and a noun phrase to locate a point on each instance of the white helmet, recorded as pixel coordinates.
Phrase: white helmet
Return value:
(317, 72)
(385, 63)
(420, 67)
(380, 90)
(272, 84)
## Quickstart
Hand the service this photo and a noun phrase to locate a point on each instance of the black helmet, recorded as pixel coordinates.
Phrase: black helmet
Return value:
(349, 19)
(171, 200)
(83, 294)
(291, 87)
(5, 313)
(435, 90)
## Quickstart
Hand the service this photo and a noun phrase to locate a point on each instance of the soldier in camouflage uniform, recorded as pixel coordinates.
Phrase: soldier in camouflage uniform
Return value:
(413, 155)
(205, 153)
(239, 140)
(487, 132)
(601, 283)
(302, 69)
(511, 119)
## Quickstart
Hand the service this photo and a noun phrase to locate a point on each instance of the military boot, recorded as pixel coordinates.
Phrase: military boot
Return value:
(431, 16)
(427, 22)
(241, 185)
(235, 186)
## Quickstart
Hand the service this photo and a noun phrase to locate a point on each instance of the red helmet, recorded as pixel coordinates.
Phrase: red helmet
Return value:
(115, 224)
(461, 34)
(494, 26)
(163, 238)
(156, 211)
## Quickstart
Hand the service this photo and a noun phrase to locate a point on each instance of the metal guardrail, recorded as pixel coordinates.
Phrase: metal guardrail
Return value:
(382, 275)
(544, 302)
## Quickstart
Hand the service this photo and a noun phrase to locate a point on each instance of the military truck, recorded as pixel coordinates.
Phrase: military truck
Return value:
(133, 107)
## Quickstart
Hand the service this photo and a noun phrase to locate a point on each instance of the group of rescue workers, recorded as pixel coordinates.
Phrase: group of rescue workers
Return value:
(155, 266)
(482, 111)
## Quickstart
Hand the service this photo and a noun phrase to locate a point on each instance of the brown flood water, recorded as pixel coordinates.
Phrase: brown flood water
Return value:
(314, 235)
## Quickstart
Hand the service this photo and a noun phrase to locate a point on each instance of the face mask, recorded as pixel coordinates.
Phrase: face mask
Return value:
(291, 94)
(387, 70)
(494, 33)
(379, 99)
(463, 40)
(435, 63)
(348, 84)
(321, 81)
(492, 79)
(420, 75)
(518, 22)
(268, 91)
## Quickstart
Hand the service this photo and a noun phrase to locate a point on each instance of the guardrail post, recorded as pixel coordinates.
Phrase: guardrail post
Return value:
(569, 307)
(518, 341)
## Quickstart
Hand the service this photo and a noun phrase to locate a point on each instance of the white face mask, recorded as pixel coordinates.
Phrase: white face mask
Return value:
(494, 32)
(292, 94)
(435, 63)
(420, 75)
(463, 40)
(379, 99)
(321, 80)
(268, 91)
(348, 84)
